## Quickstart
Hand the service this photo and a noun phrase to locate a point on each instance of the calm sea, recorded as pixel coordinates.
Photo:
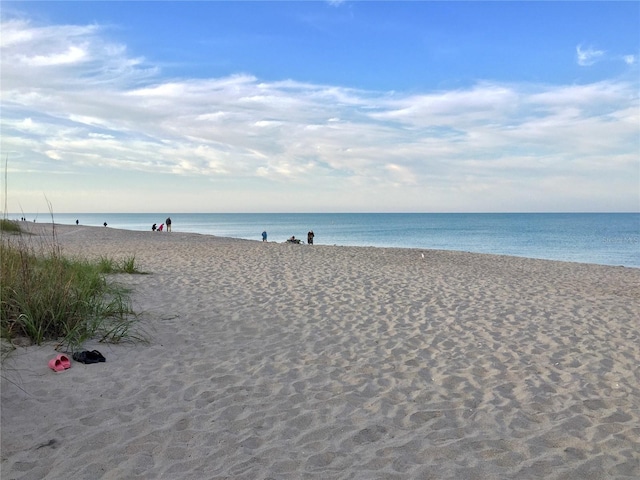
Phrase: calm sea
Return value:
(600, 238)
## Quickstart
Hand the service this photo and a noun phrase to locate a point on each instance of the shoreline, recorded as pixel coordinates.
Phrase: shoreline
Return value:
(333, 362)
(603, 239)
(39, 228)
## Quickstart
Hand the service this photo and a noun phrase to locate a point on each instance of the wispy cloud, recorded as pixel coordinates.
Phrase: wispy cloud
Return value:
(588, 56)
(71, 100)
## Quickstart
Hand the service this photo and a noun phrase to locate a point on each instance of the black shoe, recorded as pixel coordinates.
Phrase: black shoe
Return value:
(89, 357)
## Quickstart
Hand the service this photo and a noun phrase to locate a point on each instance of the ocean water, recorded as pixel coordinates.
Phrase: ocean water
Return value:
(600, 238)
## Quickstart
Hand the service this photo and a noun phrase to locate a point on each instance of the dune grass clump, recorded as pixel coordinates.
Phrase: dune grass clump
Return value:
(45, 296)
(9, 226)
(126, 265)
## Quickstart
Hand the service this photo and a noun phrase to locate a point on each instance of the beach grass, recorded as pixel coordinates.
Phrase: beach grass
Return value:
(9, 226)
(47, 297)
(108, 265)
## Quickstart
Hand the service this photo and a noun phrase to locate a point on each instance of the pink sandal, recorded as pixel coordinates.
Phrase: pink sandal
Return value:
(64, 361)
(56, 365)
(60, 363)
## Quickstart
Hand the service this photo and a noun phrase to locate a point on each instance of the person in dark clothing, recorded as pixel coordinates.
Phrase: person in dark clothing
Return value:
(167, 222)
(310, 236)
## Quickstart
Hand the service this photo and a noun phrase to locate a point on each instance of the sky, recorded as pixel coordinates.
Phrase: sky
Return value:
(334, 106)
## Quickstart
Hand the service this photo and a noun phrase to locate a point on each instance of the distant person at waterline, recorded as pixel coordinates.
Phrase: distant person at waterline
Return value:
(153, 227)
(168, 224)
(310, 236)
(264, 236)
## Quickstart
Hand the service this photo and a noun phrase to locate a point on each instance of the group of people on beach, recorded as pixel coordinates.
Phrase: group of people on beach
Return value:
(293, 238)
(160, 228)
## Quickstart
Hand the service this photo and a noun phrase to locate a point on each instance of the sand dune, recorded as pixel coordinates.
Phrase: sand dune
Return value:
(277, 361)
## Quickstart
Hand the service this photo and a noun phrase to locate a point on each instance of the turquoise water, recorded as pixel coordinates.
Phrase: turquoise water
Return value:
(600, 238)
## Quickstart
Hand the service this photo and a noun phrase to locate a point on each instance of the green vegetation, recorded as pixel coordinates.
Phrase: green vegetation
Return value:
(9, 226)
(108, 265)
(44, 296)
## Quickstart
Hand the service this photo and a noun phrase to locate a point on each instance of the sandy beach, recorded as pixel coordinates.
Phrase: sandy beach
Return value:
(279, 361)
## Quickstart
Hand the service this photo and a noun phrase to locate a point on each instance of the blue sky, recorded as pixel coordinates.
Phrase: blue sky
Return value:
(321, 106)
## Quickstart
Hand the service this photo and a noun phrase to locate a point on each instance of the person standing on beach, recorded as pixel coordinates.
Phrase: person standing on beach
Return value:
(264, 236)
(310, 236)
(167, 222)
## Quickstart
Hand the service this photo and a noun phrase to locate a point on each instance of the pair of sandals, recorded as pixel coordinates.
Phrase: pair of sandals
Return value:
(61, 362)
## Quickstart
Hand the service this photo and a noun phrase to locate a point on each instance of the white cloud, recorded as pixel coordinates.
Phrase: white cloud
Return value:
(66, 54)
(588, 56)
(25, 125)
(73, 54)
(104, 112)
(101, 135)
